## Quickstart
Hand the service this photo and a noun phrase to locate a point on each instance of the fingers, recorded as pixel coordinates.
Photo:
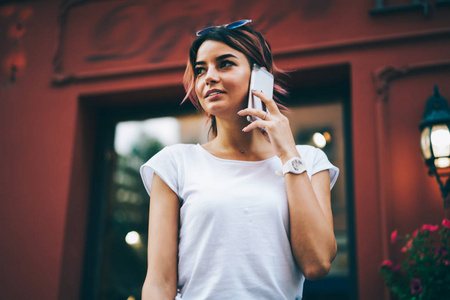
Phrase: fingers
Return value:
(270, 103)
(254, 112)
(256, 124)
(265, 115)
(265, 118)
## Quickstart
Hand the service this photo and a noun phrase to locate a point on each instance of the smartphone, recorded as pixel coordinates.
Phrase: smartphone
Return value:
(260, 80)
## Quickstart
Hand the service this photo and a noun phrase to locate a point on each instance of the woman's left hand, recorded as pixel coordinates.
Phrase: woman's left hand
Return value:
(308, 199)
(276, 126)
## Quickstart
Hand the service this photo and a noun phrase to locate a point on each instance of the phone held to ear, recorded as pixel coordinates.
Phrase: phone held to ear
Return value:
(260, 80)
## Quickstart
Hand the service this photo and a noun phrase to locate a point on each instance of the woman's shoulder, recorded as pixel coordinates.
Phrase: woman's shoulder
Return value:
(307, 150)
(311, 153)
(180, 149)
(172, 153)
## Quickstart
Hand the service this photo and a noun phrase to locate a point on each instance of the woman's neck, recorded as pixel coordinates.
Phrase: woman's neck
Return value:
(231, 142)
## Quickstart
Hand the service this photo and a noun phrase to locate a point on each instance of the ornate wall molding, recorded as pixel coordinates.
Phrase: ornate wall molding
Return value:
(161, 49)
(383, 76)
(96, 40)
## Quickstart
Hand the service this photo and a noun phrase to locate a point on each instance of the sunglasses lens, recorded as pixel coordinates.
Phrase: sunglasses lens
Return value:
(233, 25)
(205, 30)
(237, 24)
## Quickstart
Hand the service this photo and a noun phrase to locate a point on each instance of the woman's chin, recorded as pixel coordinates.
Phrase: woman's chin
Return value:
(222, 108)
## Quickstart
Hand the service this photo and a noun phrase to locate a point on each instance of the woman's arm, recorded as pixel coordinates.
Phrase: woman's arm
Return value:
(311, 222)
(161, 280)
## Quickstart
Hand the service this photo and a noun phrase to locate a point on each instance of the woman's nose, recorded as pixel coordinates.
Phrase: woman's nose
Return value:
(212, 76)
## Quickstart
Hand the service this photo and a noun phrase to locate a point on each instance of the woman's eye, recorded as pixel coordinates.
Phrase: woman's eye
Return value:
(226, 63)
(198, 71)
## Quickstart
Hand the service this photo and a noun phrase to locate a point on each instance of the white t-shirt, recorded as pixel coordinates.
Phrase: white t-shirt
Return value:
(234, 223)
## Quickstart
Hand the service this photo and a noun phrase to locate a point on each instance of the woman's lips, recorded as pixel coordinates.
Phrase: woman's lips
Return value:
(214, 94)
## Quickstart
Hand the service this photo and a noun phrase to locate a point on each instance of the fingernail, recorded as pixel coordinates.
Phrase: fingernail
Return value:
(239, 111)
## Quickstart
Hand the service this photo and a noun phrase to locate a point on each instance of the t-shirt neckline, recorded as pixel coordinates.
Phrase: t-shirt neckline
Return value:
(234, 160)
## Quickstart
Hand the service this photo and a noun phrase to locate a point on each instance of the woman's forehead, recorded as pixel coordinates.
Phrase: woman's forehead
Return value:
(214, 49)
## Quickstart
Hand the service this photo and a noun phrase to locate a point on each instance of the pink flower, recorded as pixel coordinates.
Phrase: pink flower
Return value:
(446, 223)
(428, 227)
(407, 246)
(415, 233)
(394, 236)
(416, 287)
(386, 263)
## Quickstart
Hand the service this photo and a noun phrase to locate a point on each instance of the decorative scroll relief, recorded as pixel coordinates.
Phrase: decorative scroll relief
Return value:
(383, 76)
(99, 35)
(120, 35)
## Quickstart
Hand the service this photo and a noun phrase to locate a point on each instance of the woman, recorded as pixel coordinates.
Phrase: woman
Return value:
(224, 224)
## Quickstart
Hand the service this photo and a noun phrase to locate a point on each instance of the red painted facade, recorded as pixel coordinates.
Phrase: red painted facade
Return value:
(69, 54)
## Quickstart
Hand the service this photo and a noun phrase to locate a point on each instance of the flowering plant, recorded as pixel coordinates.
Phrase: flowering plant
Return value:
(425, 272)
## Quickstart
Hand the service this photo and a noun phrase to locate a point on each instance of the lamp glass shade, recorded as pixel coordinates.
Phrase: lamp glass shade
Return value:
(425, 143)
(442, 162)
(440, 140)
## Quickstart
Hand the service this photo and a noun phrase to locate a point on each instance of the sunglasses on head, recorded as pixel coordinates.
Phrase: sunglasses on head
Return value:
(232, 25)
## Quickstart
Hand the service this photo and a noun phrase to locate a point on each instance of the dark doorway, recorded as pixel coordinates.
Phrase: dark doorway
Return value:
(134, 126)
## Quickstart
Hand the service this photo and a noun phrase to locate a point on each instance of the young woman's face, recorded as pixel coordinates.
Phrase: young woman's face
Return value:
(222, 76)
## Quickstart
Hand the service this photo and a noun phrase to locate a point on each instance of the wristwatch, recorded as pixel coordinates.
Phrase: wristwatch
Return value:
(294, 166)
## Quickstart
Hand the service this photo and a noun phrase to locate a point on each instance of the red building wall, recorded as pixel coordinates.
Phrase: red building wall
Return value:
(46, 134)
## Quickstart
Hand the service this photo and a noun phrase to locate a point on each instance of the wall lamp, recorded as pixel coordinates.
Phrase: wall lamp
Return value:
(435, 141)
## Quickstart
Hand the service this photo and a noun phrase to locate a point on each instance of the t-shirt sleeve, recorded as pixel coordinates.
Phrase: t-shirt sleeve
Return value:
(316, 160)
(164, 165)
(321, 163)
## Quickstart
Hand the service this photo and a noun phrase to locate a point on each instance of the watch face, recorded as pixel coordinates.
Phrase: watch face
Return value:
(296, 164)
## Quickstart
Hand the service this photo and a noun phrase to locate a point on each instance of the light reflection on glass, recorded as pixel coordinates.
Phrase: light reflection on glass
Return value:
(425, 143)
(440, 140)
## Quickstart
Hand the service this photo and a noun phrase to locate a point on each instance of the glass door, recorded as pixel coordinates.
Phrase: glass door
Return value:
(321, 120)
